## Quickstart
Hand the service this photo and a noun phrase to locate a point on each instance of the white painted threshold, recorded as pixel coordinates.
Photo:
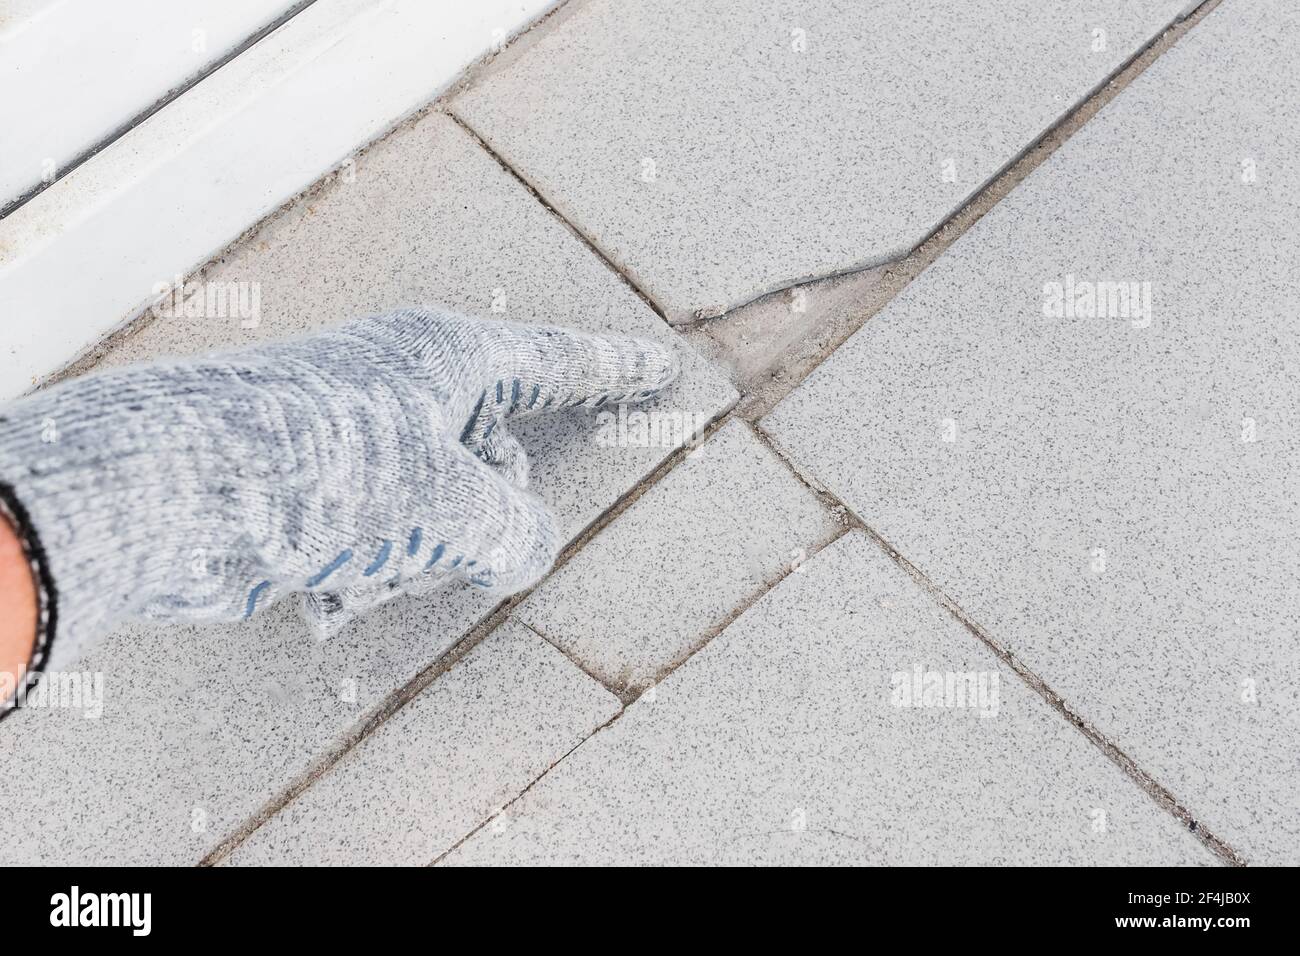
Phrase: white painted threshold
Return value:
(86, 255)
(76, 74)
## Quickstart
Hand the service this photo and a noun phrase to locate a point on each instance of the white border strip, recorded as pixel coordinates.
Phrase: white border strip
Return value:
(84, 257)
(79, 72)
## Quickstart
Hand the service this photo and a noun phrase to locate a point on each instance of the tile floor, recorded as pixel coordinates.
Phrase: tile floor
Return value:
(1002, 580)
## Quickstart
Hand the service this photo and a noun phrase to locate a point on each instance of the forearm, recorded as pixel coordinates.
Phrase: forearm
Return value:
(17, 610)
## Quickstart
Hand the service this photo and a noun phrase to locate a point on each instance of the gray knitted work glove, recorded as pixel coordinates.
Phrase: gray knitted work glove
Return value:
(354, 465)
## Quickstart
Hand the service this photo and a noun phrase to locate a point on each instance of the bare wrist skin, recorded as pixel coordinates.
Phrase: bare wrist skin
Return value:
(17, 610)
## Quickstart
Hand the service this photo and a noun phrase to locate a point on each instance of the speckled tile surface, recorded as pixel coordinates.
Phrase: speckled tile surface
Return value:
(204, 726)
(783, 741)
(201, 727)
(730, 149)
(725, 523)
(1115, 498)
(467, 744)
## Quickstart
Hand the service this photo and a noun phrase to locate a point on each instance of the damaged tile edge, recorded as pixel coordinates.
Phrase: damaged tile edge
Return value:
(685, 316)
(762, 395)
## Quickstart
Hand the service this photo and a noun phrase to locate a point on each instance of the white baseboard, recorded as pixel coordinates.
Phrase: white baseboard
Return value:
(84, 256)
(76, 72)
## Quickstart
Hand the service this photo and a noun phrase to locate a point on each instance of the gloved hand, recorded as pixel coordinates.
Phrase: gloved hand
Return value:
(353, 465)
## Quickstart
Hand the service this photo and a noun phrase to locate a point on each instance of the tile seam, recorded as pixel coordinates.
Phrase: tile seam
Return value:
(660, 676)
(839, 517)
(486, 821)
(1153, 788)
(588, 243)
(379, 715)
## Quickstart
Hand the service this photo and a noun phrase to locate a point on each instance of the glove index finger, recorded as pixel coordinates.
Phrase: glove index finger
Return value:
(540, 368)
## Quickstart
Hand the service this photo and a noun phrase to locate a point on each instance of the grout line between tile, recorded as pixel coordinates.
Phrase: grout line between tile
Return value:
(629, 698)
(1161, 794)
(752, 407)
(575, 661)
(379, 715)
(519, 796)
(581, 236)
(842, 517)
(900, 271)
(947, 232)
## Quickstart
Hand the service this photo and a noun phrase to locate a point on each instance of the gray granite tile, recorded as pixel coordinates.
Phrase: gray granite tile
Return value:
(202, 727)
(787, 739)
(729, 149)
(1114, 497)
(464, 747)
(719, 528)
